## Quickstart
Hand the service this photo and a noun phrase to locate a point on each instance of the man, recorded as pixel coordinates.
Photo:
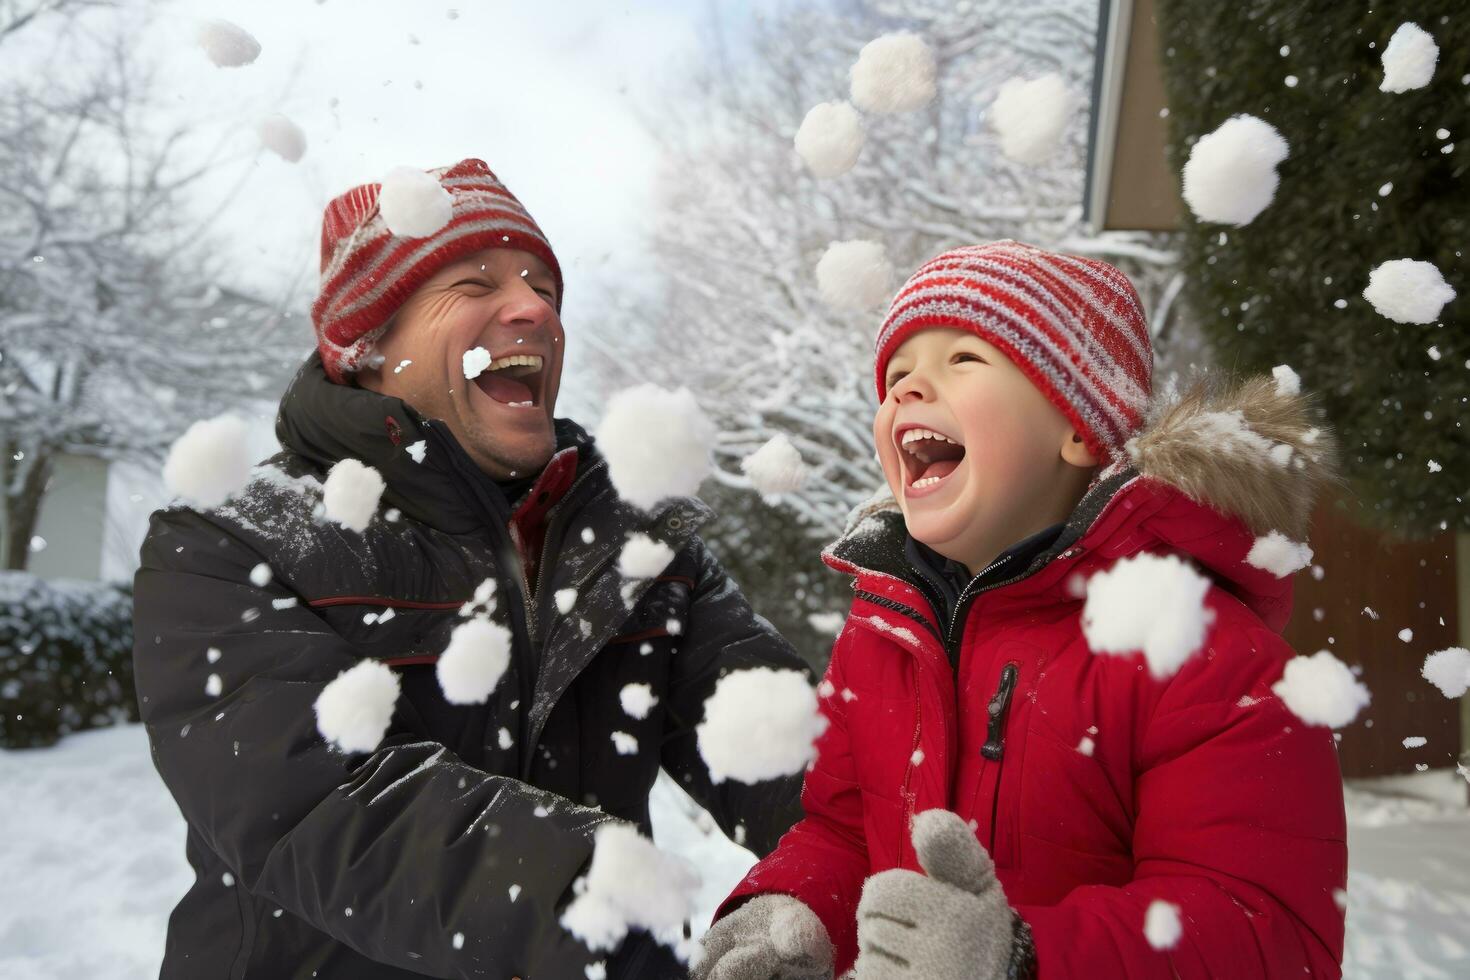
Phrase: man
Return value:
(452, 849)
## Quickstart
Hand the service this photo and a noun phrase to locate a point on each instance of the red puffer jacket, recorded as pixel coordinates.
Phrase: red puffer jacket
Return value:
(1096, 788)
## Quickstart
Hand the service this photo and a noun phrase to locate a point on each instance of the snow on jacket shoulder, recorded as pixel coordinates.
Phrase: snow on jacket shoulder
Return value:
(1097, 789)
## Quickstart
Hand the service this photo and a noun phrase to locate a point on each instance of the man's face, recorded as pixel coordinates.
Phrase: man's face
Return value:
(500, 299)
(1007, 464)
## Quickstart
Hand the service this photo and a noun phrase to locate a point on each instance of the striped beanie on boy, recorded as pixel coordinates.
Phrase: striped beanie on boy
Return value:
(367, 271)
(1074, 325)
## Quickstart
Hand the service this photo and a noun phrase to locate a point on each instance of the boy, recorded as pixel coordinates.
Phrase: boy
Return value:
(991, 798)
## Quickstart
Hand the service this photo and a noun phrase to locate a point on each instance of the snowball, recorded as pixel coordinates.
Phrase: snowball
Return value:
(474, 661)
(213, 685)
(260, 575)
(827, 622)
(212, 655)
(476, 360)
(282, 137)
(351, 492)
(625, 744)
(565, 600)
(588, 535)
(1288, 382)
(1415, 742)
(643, 557)
(353, 711)
(1408, 291)
(1086, 745)
(228, 45)
(1279, 555)
(830, 139)
(1230, 176)
(855, 275)
(1161, 924)
(631, 885)
(656, 442)
(894, 73)
(413, 204)
(1434, 466)
(210, 462)
(1029, 117)
(775, 468)
(1151, 603)
(1449, 670)
(417, 450)
(759, 724)
(1321, 690)
(1406, 635)
(1409, 58)
(637, 699)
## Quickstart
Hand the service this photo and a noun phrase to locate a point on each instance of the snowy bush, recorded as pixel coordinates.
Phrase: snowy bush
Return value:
(66, 658)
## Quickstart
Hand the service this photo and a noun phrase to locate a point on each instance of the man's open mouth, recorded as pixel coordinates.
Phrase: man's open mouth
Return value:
(515, 380)
(927, 456)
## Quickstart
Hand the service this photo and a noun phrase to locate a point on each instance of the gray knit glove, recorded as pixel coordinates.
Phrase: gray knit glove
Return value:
(770, 937)
(953, 924)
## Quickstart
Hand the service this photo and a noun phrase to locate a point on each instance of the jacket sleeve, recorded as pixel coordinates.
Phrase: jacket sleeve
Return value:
(1239, 823)
(724, 634)
(823, 860)
(416, 844)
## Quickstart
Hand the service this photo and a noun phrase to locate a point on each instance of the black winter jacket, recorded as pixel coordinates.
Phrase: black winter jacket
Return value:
(452, 849)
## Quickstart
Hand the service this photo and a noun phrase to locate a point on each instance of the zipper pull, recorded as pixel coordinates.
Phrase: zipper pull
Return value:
(995, 739)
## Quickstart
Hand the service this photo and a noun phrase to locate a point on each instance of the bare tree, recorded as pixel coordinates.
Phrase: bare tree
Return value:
(111, 339)
(742, 224)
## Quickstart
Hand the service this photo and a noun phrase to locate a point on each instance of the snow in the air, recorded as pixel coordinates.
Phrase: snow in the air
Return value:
(1149, 603)
(474, 661)
(212, 655)
(1030, 117)
(476, 360)
(213, 685)
(1288, 382)
(759, 724)
(625, 744)
(1449, 670)
(282, 137)
(565, 599)
(1321, 690)
(630, 885)
(95, 853)
(417, 450)
(1434, 467)
(1408, 290)
(830, 139)
(227, 45)
(210, 462)
(1161, 925)
(354, 709)
(894, 73)
(1279, 555)
(1415, 742)
(775, 468)
(413, 204)
(830, 623)
(1230, 176)
(855, 275)
(1409, 59)
(643, 557)
(588, 535)
(351, 493)
(1406, 635)
(637, 700)
(260, 575)
(656, 442)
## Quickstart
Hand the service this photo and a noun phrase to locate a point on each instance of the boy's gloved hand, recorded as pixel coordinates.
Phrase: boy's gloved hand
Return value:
(953, 924)
(770, 937)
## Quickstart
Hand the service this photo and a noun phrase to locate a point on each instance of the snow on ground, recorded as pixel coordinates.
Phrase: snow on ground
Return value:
(93, 853)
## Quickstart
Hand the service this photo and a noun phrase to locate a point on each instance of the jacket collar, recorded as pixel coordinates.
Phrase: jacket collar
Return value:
(1212, 468)
(326, 422)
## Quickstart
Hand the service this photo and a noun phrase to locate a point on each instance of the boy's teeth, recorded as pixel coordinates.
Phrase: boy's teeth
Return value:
(914, 435)
(926, 481)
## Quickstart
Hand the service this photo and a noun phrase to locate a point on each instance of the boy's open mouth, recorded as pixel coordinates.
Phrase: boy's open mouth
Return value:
(927, 456)
(514, 380)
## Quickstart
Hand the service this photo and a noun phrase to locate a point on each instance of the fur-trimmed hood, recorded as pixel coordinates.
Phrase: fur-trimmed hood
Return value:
(1214, 467)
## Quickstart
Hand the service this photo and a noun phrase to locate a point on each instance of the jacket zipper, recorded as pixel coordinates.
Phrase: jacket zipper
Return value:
(995, 739)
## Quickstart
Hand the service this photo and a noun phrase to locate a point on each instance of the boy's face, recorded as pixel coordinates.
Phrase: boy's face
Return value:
(1008, 464)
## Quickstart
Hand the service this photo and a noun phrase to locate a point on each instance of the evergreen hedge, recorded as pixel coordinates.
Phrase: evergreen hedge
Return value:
(1267, 293)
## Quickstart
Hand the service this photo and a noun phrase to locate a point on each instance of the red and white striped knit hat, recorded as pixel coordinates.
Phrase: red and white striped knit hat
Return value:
(1074, 325)
(367, 271)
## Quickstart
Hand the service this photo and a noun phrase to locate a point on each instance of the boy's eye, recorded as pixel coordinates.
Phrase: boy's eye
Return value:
(896, 377)
(966, 356)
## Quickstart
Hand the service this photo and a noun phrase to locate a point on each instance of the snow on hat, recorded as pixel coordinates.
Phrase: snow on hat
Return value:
(367, 271)
(1074, 325)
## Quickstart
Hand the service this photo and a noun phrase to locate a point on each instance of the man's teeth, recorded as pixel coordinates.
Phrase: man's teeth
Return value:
(914, 435)
(516, 360)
